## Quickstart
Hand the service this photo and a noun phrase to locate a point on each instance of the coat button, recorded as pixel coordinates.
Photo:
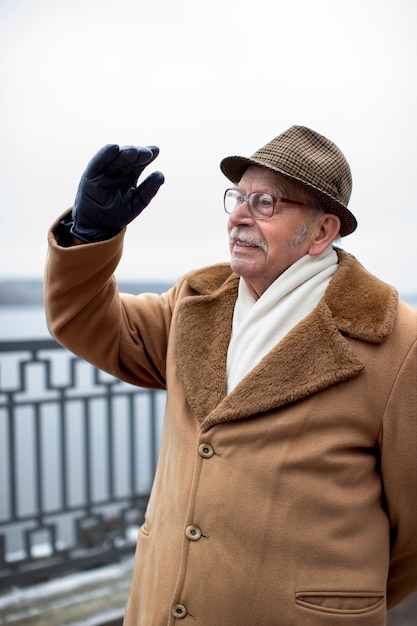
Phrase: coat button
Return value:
(179, 611)
(193, 533)
(205, 450)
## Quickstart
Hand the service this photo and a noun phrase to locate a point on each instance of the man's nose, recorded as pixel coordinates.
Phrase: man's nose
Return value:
(241, 214)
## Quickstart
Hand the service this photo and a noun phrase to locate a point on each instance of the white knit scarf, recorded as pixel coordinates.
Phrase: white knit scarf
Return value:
(258, 325)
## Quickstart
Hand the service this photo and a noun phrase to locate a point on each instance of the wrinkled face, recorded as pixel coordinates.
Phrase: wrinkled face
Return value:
(261, 250)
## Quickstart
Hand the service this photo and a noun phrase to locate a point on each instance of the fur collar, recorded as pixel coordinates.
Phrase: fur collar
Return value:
(313, 356)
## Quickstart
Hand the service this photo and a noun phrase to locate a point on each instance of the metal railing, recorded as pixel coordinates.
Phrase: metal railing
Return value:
(78, 452)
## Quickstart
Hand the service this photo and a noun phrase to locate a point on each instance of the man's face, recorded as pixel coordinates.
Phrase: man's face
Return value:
(261, 250)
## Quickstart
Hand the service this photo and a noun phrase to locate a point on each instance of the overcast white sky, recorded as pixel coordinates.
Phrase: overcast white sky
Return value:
(204, 80)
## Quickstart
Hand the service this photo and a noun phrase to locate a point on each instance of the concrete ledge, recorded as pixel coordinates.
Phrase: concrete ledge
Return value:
(94, 598)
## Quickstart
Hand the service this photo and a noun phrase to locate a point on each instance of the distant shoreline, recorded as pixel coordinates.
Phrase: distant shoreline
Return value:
(29, 292)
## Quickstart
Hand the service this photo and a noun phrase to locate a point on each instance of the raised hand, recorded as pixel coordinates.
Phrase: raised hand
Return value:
(108, 198)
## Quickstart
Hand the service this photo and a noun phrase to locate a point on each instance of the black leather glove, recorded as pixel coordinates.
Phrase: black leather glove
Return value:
(108, 198)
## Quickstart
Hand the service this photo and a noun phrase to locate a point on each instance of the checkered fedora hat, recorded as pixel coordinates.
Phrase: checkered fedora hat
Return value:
(310, 159)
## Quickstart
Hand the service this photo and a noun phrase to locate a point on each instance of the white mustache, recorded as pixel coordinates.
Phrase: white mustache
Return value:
(238, 234)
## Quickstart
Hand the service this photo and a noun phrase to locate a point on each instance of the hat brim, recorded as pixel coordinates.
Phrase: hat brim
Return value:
(233, 167)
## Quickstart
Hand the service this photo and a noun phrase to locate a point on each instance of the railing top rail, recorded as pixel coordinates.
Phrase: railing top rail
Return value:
(30, 344)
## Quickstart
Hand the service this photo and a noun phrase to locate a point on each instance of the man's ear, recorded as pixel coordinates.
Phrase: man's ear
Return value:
(327, 229)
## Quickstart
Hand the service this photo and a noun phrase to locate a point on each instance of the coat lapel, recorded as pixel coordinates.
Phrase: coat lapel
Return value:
(204, 326)
(312, 356)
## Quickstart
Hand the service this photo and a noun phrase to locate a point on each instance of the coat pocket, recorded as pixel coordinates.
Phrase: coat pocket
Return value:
(341, 602)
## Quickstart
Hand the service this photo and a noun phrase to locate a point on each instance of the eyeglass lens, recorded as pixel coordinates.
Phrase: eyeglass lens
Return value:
(260, 204)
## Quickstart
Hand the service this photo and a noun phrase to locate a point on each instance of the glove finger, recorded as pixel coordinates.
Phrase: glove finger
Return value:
(140, 164)
(155, 152)
(142, 195)
(101, 160)
(129, 164)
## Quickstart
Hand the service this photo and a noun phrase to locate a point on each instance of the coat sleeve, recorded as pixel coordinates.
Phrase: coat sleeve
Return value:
(124, 335)
(399, 472)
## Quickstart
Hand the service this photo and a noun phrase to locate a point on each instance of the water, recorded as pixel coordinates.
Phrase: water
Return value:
(23, 322)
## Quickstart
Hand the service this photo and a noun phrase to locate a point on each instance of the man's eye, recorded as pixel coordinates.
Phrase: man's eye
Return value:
(265, 201)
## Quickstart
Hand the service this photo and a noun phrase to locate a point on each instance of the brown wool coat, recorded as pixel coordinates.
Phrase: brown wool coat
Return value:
(292, 500)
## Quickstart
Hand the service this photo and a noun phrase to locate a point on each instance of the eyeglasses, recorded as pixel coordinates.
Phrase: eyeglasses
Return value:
(261, 205)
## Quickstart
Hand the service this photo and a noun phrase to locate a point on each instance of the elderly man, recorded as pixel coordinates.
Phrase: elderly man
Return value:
(286, 488)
